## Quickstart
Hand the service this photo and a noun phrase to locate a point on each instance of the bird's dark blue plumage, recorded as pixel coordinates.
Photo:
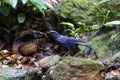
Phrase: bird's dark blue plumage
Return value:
(67, 42)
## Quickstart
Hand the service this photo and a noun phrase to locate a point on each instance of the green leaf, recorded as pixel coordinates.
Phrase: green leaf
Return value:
(13, 3)
(103, 1)
(70, 25)
(68, 30)
(116, 55)
(11, 65)
(0, 3)
(77, 30)
(40, 4)
(118, 14)
(21, 17)
(4, 11)
(24, 1)
(117, 22)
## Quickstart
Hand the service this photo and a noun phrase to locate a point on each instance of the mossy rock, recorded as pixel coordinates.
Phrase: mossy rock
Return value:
(75, 68)
(77, 61)
(13, 74)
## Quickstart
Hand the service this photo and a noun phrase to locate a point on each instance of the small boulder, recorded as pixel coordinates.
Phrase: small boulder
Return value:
(75, 68)
(49, 61)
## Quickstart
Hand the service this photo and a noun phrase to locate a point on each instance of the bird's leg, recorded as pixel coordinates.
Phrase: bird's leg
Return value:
(67, 53)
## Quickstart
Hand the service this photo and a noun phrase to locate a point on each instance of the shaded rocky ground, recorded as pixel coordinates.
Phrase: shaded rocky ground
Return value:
(36, 54)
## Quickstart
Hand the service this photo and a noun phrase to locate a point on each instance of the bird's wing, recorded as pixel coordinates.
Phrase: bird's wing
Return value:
(62, 39)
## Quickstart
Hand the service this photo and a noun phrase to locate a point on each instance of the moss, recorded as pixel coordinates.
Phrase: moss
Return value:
(76, 10)
(100, 44)
(77, 61)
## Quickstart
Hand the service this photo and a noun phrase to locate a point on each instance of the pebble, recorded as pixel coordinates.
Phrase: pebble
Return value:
(49, 61)
(19, 66)
(5, 66)
(5, 62)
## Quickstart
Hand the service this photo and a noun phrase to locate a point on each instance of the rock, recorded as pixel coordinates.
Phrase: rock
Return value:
(19, 66)
(44, 77)
(6, 62)
(25, 42)
(5, 66)
(20, 57)
(28, 48)
(14, 57)
(90, 53)
(49, 52)
(49, 61)
(34, 72)
(25, 73)
(23, 60)
(13, 74)
(5, 55)
(112, 76)
(48, 46)
(75, 68)
(34, 61)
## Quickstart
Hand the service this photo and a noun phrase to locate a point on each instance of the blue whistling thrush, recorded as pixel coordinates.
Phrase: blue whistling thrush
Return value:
(65, 41)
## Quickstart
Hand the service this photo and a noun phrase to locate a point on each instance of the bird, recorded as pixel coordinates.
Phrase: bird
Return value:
(65, 41)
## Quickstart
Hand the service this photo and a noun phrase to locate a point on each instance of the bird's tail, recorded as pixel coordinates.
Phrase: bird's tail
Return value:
(84, 44)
